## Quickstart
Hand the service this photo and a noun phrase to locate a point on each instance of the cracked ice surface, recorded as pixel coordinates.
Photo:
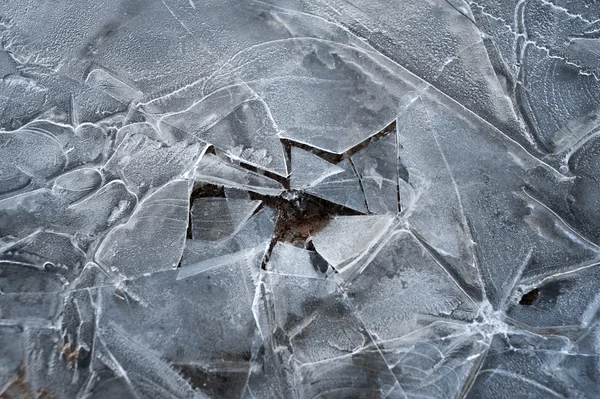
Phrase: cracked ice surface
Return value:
(299, 199)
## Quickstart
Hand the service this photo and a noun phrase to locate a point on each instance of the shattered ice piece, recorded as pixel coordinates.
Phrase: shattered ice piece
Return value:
(22, 98)
(563, 300)
(45, 250)
(20, 165)
(313, 333)
(211, 169)
(288, 259)
(252, 238)
(153, 238)
(336, 183)
(364, 371)
(410, 286)
(20, 215)
(237, 121)
(145, 162)
(109, 384)
(102, 96)
(60, 147)
(103, 209)
(144, 371)
(530, 365)
(47, 366)
(216, 218)
(223, 260)
(346, 238)
(331, 351)
(117, 89)
(436, 361)
(28, 293)
(11, 362)
(473, 210)
(249, 134)
(320, 93)
(77, 184)
(377, 168)
(162, 312)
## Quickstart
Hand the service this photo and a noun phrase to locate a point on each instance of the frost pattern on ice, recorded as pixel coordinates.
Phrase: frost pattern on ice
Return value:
(300, 199)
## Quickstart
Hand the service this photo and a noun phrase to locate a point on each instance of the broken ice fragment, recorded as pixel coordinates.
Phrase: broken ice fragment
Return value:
(530, 365)
(212, 169)
(346, 238)
(377, 168)
(23, 98)
(337, 183)
(77, 184)
(49, 251)
(11, 340)
(252, 238)
(21, 165)
(235, 120)
(220, 300)
(28, 293)
(216, 218)
(410, 285)
(328, 95)
(562, 300)
(288, 259)
(117, 89)
(153, 238)
(490, 232)
(143, 370)
(436, 361)
(144, 163)
(103, 209)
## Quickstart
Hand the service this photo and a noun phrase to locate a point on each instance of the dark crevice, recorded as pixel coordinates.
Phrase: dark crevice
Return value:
(221, 384)
(337, 158)
(360, 184)
(202, 190)
(326, 155)
(529, 298)
(299, 216)
(252, 168)
(389, 128)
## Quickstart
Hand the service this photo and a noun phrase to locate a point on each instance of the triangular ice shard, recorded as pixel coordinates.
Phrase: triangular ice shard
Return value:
(153, 238)
(335, 183)
(217, 218)
(288, 259)
(103, 94)
(211, 169)
(377, 168)
(243, 128)
(117, 89)
(347, 238)
(251, 238)
(411, 288)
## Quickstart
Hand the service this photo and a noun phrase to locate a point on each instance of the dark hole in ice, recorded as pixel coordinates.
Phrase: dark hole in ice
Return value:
(530, 297)
(49, 266)
(318, 261)
(221, 384)
(299, 216)
(202, 190)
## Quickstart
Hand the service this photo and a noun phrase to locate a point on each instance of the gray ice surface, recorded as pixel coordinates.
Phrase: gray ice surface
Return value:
(264, 199)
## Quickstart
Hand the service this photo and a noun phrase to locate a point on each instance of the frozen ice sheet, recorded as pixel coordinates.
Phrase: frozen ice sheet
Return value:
(299, 199)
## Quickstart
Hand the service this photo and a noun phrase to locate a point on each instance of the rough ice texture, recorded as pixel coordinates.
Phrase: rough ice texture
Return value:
(299, 199)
